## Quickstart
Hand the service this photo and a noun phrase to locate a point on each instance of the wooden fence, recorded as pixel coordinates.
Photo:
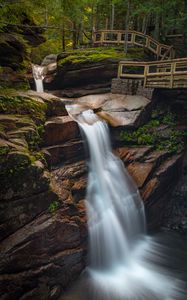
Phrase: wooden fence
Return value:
(156, 74)
(161, 51)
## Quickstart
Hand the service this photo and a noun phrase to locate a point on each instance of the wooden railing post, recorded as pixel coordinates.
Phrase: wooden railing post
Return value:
(173, 67)
(133, 37)
(102, 37)
(146, 68)
(119, 38)
(93, 37)
(147, 42)
(119, 70)
(158, 50)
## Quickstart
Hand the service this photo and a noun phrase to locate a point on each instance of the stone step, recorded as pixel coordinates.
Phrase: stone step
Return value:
(59, 130)
(68, 152)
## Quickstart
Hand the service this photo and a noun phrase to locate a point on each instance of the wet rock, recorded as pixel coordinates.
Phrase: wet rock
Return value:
(157, 191)
(22, 177)
(81, 74)
(55, 292)
(90, 89)
(140, 172)
(55, 105)
(119, 103)
(79, 189)
(59, 130)
(128, 154)
(51, 251)
(117, 110)
(117, 119)
(17, 213)
(66, 152)
(49, 59)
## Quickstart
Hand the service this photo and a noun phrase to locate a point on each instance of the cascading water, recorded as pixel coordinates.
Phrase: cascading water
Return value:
(38, 74)
(124, 262)
(115, 210)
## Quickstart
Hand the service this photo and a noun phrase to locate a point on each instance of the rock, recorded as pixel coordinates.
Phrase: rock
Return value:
(55, 105)
(67, 152)
(94, 101)
(117, 119)
(59, 130)
(9, 78)
(17, 213)
(158, 190)
(90, 89)
(33, 35)
(79, 189)
(128, 155)
(23, 177)
(140, 172)
(12, 51)
(84, 74)
(48, 250)
(55, 292)
(131, 113)
(150, 188)
(117, 110)
(49, 59)
(119, 103)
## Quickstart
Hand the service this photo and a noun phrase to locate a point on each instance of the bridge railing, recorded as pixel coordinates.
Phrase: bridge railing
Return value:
(156, 74)
(136, 38)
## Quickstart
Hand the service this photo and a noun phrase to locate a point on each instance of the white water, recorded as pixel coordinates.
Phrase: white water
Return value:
(38, 74)
(124, 262)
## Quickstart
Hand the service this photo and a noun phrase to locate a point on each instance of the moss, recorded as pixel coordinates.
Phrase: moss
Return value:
(3, 152)
(160, 132)
(94, 55)
(53, 207)
(14, 163)
(23, 106)
(22, 120)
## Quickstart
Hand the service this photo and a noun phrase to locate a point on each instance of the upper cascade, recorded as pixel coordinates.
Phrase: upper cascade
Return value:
(38, 74)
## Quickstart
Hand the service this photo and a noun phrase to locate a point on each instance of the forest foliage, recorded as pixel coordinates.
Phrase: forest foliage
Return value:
(70, 23)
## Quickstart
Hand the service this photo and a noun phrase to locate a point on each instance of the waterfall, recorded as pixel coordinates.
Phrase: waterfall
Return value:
(115, 209)
(124, 262)
(38, 74)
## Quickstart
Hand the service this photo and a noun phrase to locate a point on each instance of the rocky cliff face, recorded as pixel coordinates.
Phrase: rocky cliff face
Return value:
(15, 47)
(42, 241)
(43, 186)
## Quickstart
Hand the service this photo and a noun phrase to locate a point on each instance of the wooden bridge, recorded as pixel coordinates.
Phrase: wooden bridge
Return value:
(134, 38)
(156, 74)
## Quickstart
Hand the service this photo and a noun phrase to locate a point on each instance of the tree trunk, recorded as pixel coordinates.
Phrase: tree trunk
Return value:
(106, 23)
(74, 36)
(127, 27)
(63, 39)
(112, 17)
(157, 27)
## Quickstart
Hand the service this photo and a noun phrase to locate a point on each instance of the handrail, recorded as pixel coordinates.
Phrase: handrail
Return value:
(161, 51)
(160, 74)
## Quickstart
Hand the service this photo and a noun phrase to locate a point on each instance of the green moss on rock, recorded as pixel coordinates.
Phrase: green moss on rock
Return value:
(94, 55)
(160, 132)
(31, 107)
(22, 121)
